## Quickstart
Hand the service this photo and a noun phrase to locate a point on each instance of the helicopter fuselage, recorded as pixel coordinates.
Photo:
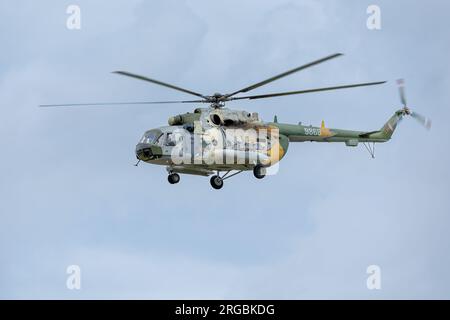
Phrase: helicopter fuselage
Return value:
(210, 140)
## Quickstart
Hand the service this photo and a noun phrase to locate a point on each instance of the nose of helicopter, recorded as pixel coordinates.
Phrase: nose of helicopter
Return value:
(147, 151)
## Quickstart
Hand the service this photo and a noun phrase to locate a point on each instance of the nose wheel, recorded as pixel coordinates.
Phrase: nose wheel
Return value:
(173, 178)
(216, 182)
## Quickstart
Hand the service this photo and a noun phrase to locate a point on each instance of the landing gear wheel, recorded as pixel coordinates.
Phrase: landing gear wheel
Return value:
(216, 182)
(173, 178)
(259, 171)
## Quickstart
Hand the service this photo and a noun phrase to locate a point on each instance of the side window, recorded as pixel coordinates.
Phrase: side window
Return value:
(170, 142)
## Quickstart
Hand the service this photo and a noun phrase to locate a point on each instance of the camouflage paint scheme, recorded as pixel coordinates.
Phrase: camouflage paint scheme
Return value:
(158, 152)
(300, 133)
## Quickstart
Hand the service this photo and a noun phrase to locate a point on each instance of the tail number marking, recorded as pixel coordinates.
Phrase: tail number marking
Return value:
(312, 131)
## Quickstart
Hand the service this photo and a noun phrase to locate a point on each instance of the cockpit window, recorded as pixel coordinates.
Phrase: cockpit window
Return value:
(151, 136)
(159, 139)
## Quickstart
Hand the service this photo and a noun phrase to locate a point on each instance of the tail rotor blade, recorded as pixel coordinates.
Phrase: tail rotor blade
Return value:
(401, 88)
(424, 121)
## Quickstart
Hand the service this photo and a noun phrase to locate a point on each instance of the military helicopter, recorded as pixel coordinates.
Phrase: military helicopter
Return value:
(223, 142)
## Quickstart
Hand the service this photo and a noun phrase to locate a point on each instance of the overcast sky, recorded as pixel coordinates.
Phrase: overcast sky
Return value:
(70, 195)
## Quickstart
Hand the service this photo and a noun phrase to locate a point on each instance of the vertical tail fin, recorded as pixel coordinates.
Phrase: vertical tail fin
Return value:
(389, 127)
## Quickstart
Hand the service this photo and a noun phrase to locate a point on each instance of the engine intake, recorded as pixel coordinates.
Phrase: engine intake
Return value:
(226, 117)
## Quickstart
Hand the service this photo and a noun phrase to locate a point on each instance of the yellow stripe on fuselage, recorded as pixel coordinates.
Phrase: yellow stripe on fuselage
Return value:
(274, 154)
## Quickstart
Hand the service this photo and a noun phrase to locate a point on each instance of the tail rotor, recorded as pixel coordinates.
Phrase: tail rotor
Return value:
(424, 121)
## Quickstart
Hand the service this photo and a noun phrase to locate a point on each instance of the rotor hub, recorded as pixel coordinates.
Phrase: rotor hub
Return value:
(217, 100)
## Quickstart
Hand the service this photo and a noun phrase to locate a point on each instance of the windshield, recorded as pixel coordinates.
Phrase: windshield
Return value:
(151, 136)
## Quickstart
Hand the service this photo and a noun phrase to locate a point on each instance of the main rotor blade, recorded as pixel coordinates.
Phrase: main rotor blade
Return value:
(284, 74)
(117, 103)
(426, 122)
(136, 76)
(271, 95)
